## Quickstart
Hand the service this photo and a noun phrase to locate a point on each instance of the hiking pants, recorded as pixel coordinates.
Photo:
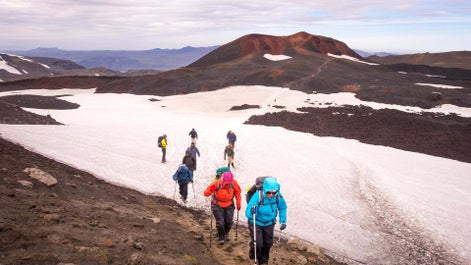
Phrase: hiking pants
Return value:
(264, 242)
(164, 152)
(183, 190)
(223, 218)
(230, 160)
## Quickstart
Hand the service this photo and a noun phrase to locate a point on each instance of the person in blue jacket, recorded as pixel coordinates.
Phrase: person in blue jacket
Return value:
(264, 207)
(183, 176)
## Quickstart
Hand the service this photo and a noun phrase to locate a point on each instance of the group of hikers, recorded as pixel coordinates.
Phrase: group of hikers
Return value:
(264, 200)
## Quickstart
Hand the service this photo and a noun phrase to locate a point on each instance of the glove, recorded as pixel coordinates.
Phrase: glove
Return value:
(238, 207)
(253, 210)
(282, 226)
(191, 181)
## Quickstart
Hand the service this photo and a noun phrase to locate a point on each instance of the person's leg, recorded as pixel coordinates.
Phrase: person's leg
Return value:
(184, 191)
(164, 152)
(267, 235)
(228, 220)
(259, 240)
(219, 217)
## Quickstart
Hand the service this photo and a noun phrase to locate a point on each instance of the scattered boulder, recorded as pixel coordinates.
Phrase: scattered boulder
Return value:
(41, 176)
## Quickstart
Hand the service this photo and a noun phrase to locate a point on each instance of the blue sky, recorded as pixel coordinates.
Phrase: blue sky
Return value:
(397, 26)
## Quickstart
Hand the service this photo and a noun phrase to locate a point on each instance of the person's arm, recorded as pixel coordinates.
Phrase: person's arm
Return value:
(252, 203)
(282, 206)
(210, 189)
(237, 192)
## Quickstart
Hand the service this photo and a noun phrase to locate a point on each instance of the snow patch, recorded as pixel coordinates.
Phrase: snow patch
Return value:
(5, 66)
(279, 57)
(439, 86)
(350, 58)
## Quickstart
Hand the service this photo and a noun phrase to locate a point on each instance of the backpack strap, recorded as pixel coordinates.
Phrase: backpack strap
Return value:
(218, 188)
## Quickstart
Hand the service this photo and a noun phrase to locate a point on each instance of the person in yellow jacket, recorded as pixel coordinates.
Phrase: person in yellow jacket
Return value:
(223, 191)
(164, 147)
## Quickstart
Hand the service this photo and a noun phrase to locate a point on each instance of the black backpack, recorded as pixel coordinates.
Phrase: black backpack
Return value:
(159, 141)
(258, 187)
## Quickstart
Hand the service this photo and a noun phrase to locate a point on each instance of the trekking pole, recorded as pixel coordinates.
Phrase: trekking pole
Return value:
(175, 191)
(211, 226)
(255, 239)
(279, 237)
(194, 195)
(237, 224)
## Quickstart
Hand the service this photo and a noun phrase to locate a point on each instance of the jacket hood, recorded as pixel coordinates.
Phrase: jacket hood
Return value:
(270, 184)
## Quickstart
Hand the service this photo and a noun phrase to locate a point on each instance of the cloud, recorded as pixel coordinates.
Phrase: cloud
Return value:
(145, 24)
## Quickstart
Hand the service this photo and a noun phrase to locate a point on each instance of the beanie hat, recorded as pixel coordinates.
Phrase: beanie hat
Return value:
(227, 177)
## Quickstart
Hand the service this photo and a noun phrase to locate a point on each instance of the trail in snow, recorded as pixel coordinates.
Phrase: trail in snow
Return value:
(403, 238)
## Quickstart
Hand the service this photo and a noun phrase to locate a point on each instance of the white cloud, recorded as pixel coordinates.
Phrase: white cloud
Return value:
(172, 24)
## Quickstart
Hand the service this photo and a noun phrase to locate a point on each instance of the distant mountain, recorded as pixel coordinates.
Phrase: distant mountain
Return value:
(454, 59)
(367, 54)
(155, 59)
(14, 67)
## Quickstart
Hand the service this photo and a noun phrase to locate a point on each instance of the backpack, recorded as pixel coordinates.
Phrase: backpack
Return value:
(229, 151)
(258, 187)
(181, 176)
(159, 141)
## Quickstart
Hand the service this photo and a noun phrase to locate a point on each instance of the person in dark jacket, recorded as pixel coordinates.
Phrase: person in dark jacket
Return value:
(193, 152)
(263, 209)
(231, 137)
(194, 135)
(229, 155)
(183, 176)
(189, 161)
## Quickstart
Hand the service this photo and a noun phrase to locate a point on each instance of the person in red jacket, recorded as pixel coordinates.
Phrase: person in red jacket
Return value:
(223, 191)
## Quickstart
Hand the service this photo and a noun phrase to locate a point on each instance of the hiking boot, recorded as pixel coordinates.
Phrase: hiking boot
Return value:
(221, 241)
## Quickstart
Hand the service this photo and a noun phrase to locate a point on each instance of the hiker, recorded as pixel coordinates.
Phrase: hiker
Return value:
(193, 152)
(163, 146)
(223, 191)
(194, 135)
(183, 176)
(231, 137)
(264, 207)
(189, 161)
(229, 155)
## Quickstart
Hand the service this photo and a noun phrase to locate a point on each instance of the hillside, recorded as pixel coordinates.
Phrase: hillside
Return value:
(15, 67)
(454, 59)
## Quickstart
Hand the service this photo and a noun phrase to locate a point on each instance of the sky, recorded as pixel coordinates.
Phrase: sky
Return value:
(365, 203)
(397, 26)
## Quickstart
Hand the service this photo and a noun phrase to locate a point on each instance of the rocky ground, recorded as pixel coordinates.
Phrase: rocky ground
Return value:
(55, 214)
